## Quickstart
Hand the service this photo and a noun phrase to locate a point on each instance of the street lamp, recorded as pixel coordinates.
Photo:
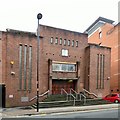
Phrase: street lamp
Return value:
(39, 16)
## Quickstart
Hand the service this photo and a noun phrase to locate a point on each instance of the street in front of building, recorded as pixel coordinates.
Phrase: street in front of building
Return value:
(66, 112)
(111, 113)
(96, 113)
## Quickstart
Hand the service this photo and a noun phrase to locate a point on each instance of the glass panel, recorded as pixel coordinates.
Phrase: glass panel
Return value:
(56, 40)
(71, 67)
(64, 41)
(56, 67)
(30, 67)
(64, 52)
(63, 67)
(72, 42)
(60, 41)
(51, 40)
(68, 42)
(76, 43)
(20, 67)
(25, 69)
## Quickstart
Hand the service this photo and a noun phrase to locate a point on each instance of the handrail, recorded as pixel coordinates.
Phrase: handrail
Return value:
(90, 93)
(74, 92)
(41, 95)
(63, 90)
(84, 97)
(74, 98)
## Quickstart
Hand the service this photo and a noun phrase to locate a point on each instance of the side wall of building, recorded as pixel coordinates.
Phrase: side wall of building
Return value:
(98, 70)
(109, 37)
(13, 41)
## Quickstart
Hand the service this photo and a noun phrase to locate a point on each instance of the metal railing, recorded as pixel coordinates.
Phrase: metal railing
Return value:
(74, 98)
(63, 90)
(76, 94)
(84, 90)
(71, 95)
(41, 95)
(84, 100)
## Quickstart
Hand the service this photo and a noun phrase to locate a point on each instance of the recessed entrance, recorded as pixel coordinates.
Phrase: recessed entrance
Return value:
(57, 85)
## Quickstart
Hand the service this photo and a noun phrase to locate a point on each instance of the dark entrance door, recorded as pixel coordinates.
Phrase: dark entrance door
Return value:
(2, 95)
(57, 85)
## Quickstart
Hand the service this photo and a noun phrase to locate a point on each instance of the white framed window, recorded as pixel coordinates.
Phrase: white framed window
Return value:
(72, 43)
(60, 41)
(76, 43)
(64, 67)
(64, 52)
(65, 41)
(100, 34)
(68, 42)
(56, 40)
(51, 40)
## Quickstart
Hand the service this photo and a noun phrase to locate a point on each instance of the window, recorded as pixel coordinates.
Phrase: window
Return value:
(30, 68)
(113, 95)
(20, 67)
(100, 71)
(68, 42)
(64, 52)
(60, 41)
(71, 67)
(72, 43)
(51, 40)
(56, 40)
(64, 41)
(76, 43)
(56, 67)
(100, 34)
(63, 67)
(25, 66)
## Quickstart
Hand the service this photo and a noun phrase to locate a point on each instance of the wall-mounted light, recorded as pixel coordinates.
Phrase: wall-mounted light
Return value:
(108, 78)
(12, 62)
(12, 73)
(70, 81)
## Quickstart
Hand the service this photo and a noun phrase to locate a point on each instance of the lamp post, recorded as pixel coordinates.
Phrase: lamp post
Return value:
(39, 16)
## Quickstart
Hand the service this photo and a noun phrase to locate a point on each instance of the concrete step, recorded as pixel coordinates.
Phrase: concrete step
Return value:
(88, 102)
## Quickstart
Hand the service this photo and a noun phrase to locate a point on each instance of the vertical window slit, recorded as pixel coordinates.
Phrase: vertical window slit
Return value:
(25, 66)
(30, 68)
(20, 67)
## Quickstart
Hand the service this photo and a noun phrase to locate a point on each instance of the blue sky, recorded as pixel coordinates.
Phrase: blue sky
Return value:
(75, 15)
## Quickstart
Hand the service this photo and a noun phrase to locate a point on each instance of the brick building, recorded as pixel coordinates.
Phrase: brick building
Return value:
(104, 32)
(66, 61)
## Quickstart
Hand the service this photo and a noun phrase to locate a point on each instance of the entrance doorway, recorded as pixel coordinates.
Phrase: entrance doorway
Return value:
(57, 85)
(2, 95)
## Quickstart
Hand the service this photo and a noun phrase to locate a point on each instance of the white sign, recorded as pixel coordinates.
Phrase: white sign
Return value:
(24, 99)
(10, 96)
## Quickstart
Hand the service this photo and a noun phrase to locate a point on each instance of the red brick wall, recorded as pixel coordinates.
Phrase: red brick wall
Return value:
(94, 50)
(53, 51)
(110, 39)
(10, 46)
(11, 43)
